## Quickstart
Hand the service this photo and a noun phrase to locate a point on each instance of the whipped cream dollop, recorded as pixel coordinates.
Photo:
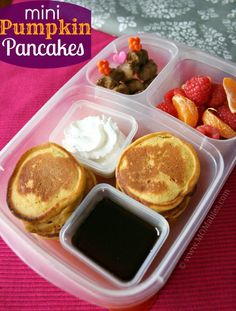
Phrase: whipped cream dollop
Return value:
(95, 138)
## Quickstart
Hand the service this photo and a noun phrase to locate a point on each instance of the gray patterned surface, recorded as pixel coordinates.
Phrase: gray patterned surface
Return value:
(206, 24)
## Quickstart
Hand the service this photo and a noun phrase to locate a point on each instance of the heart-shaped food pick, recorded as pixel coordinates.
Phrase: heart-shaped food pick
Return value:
(120, 57)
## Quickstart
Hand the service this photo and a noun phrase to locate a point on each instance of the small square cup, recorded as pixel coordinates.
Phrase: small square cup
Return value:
(82, 109)
(133, 207)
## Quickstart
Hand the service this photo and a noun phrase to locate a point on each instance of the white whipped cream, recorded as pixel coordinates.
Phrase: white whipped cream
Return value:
(94, 138)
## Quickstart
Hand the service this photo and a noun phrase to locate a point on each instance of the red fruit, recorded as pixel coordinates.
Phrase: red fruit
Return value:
(224, 113)
(209, 131)
(169, 108)
(201, 110)
(218, 96)
(198, 89)
(168, 96)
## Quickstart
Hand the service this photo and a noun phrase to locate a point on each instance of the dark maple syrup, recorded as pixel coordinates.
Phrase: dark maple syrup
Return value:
(115, 239)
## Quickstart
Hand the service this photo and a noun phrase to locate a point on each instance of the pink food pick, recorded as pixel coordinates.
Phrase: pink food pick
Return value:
(120, 57)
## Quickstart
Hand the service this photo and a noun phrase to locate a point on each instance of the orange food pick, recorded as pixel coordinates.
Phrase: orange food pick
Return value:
(186, 109)
(229, 85)
(134, 44)
(103, 67)
(211, 119)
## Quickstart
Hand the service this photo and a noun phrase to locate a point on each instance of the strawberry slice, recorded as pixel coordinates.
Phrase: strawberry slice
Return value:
(168, 107)
(169, 95)
(209, 131)
(218, 96)
(227, 116)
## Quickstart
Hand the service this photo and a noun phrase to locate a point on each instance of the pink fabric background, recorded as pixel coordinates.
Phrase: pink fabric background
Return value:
(206, 282)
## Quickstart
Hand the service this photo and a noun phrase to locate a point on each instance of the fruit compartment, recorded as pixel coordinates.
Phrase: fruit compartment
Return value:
(58, 266)
(162, 51)
(193, 63)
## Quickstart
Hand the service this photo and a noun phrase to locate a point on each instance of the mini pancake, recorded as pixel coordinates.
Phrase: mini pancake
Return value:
(158, 170)
(157, 208)
(45, 180)
(51, 227)
(91, 181)
(173, 214)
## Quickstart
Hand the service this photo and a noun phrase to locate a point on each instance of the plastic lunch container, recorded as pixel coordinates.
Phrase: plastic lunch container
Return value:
(98, 193)
(176, 63)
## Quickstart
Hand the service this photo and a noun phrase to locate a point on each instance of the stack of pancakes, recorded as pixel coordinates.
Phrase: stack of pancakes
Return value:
(161, 171)
(45, 188)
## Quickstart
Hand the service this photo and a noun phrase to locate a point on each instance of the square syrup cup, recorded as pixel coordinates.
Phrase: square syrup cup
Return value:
(82, 109)
(130, 206)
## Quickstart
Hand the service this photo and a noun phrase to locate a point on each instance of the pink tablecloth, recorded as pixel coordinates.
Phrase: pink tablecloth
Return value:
(205, 278)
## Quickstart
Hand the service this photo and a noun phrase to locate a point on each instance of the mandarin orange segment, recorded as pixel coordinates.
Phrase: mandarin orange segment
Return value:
(186, 109)
(211, 119)
(229, 85)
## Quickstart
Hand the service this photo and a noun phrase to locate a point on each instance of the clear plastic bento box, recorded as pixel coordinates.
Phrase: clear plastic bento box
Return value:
(217, 158)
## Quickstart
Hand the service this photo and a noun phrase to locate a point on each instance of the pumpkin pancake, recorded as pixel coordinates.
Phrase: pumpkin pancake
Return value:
(174, 213)
(91, 181)
(45, 180)
(158, 170)
(52, 226)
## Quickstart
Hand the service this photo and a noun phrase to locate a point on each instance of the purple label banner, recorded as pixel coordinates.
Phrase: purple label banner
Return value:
(45, 34)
